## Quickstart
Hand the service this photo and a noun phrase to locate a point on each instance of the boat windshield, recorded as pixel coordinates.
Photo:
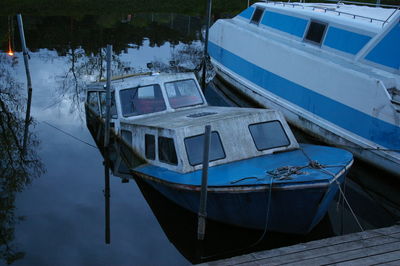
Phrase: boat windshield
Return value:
(183, 93)
(142, 100)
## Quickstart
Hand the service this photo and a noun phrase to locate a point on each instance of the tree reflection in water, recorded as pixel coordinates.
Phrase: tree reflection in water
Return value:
(82, 69)
(17, 168)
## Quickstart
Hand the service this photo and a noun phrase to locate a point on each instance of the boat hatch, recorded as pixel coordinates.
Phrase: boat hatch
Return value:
(201, 114)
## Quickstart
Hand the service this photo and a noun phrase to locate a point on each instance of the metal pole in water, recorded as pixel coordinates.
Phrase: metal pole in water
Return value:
(201, 225)
(29, 81)
(107, 198)
(108, 97)
(106, 145)
(203, 83)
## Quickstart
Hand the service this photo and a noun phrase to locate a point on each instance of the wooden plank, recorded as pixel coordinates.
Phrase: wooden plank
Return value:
(389, 257)
(327, 242)
(391, 263)
(319, 249)
(351, 255)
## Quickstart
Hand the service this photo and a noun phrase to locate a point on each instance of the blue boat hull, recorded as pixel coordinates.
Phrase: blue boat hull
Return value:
(288, 210)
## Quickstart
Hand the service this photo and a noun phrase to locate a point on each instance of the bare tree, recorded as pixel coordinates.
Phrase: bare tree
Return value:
(17, 167)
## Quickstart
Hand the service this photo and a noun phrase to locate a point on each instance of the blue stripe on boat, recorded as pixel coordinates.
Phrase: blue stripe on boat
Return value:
(387, 51)
(223, 175)
(342, 115)
(247, 13)
(292, 25)
(346, 41)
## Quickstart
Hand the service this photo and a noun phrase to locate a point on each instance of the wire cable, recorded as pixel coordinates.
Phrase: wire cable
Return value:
(68, 134)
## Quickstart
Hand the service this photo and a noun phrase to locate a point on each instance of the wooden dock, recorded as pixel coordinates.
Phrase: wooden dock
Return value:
(379, 246)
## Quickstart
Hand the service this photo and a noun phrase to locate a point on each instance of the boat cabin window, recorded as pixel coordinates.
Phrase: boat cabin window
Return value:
(93, 101)
(315, 32)
(195, 146)
(257, 15)
(150, 146)
(142, 100)
(113, 108)
(268, 135)
(183, 93)
(103, 104)
(127, 136)
(166, 150)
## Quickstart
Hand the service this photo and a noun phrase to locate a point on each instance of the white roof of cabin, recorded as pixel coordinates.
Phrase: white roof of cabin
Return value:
(198, 117)
(231, 123)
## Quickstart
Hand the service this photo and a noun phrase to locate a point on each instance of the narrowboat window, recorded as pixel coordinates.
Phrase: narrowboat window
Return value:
(257, 15)
(93, 101)
(315, 32)
(166, 151)
(183, 93)
(150, 146)
(268, 135)
(142, 100)
(194, 148)
(126, 136)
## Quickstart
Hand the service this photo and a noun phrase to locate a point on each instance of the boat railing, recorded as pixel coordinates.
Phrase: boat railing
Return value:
(327, 9)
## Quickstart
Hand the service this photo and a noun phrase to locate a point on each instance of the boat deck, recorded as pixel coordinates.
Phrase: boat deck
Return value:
(379, 246)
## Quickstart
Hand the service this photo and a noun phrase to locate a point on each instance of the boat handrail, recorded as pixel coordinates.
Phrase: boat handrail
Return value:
(360, 3)
(128, 76)
(371, 19)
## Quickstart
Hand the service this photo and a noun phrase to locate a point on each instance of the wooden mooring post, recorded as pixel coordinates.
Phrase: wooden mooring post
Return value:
(106, 146)
(201, 226)
(28, 79)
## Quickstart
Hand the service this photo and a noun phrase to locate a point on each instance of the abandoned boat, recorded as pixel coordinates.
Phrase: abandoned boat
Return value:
(259, 176)
(332, 69)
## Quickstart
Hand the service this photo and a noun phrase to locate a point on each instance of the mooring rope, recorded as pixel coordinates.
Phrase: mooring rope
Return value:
(68, 134)
(348, 205)
(323, 169)
(268, 203)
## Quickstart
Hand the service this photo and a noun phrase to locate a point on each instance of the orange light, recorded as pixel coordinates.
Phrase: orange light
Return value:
(10, 53)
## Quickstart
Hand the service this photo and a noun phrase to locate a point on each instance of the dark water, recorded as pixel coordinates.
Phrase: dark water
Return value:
(52, 201)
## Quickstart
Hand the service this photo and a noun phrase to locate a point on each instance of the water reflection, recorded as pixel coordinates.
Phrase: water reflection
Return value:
(222, 241)
(83, 68)
(84, 52)
(180, 225)
(18, 167)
